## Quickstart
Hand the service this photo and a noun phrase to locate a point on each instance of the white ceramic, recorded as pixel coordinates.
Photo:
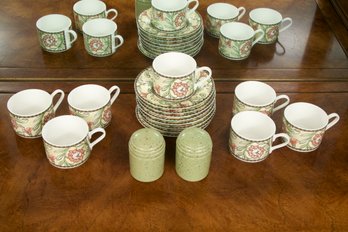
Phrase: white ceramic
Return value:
(257, 96)
(85, 10)
(221, 13)
(55, 34)
(100, 36)
(306, 124)
(93, 103)
(252, 135)
(270, 21)
(237, 39)
(30, 109)
(67, 141)
(176, 76)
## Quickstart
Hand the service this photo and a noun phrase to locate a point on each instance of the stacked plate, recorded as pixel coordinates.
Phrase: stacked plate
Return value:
(171, 117)
(153, 42)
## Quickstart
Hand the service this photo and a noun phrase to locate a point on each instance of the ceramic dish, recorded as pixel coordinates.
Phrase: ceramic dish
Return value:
(183, 44)
(185, 49)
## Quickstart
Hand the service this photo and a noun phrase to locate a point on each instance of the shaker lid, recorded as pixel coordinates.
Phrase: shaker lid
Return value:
(146, 140)
(195, 139)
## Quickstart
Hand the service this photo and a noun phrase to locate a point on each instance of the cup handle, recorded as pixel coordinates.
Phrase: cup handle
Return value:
(120, 38)
(201, 82)
(97, 140)
(241, 12)
(117, 92)
(194, 7)
(74, 35)
(283, 28)
(280, 135)
(58, 91)
(287, 100)
(259, 37)
(112, 10)
(335, 117)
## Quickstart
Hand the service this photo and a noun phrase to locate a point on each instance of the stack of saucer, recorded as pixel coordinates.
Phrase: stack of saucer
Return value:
(171, 117)
(153, 41)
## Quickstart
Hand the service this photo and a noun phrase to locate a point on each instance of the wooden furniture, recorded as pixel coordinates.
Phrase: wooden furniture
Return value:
(288, 191)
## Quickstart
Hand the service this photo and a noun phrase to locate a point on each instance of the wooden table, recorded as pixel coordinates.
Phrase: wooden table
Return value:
(286, 192)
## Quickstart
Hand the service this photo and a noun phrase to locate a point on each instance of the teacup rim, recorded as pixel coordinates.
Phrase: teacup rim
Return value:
(81, 1)
(256, 105)
(236, 23)
(39, 26)
(267, 9)
(222, 3)
(167, 11)
(109, 21)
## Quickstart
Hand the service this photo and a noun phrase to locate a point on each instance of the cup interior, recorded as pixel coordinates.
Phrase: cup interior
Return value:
(99, 27)
(222, 11)
(53, 23)
(65, 131)
(29, 102)
(265, 16)
(89, 7)
(237, 31)
(255, 93)
(88, 97)
(306, 116)
(252, 125)
(174, 64)
(169, 5)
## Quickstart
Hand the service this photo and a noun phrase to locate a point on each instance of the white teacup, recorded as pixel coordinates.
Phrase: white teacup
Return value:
(54, 32)
(93, 104)
(85, 10)
(270, 21)
(251, 136)
(257, 96)
(100, 37)
(306, 124)
(176, 73)
(30, 109)
(67, 141)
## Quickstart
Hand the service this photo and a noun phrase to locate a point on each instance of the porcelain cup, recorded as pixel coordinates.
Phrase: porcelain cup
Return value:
(30, 109)
(100, 36)
(237, 39)
(85, 10)
(67, 141)
(257, 96)
(270, 21)
(220, 13)
(55, 34)
(171, 15)
(306, 124)
(93, 104)
(175, 76)
(252, 135)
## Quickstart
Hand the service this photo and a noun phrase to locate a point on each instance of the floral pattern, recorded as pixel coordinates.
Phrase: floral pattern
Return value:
(30, 127)
(302, 140)
(52, 42)
(180, 89)
(68, 157)
(213, 25)
(235, 49)
(239, 106)
(168, 21)
(81, 19)
(98, 46)
(248, 151)
(271, 31)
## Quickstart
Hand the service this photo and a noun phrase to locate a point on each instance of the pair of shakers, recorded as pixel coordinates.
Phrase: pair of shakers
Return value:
(252, 131)
(67, 138)
(100, 34)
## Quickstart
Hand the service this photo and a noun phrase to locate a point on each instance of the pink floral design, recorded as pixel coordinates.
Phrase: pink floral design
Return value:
(316, 139)
(233, 147)
(256, 151)
(293, 142)
(179, 19)
(228, 43)
(90, 125)
(160, 15)
(264, 111)
(107, 114)
(95, 45)
(51, 158)
(48, 117)
(245, 48)
(76, 155)
(28, 131)
(14, 123)
(157, 89)
(272, 33)
(180, 89)
(49, 40)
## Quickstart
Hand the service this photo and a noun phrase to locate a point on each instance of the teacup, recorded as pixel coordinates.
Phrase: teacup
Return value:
(270, 21)
(67, 141)
(175, 77)
(257, 96)
(93, 104)
(219, 14)
(171, 15)
(100, 37)
(55, 34)
(252, 135)
(85, 10)
(237, 39)
(30, 109)
(306, 124)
